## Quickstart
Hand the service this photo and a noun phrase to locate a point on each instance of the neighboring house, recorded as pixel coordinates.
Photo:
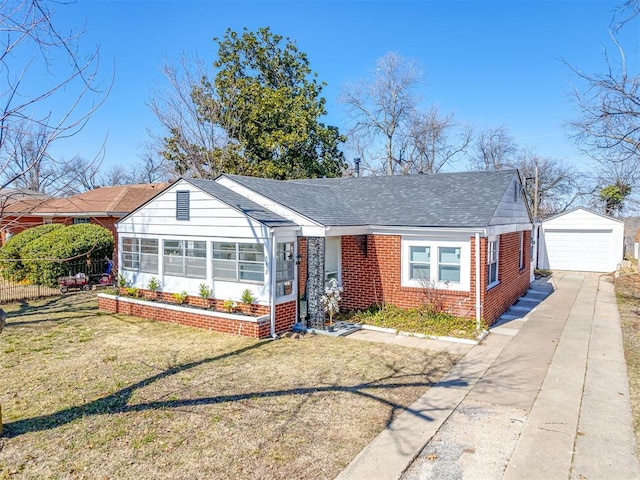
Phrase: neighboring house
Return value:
(102, 206)
(581, 240)
(463, 236)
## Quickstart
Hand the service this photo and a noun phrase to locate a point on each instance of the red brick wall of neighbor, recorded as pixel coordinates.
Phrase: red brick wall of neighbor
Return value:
(285, 317)
(513, 282)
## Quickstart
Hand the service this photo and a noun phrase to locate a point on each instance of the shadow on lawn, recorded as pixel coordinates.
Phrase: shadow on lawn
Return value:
(72, 304)
(117, 401)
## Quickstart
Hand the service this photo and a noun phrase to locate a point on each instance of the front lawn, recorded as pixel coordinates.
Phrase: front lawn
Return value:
(418, 320)
(88, 395)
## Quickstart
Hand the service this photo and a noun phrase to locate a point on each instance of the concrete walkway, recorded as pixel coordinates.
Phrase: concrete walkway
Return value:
(545, 396)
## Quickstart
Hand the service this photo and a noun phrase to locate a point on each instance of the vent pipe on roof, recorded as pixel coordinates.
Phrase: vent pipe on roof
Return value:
(356, 161)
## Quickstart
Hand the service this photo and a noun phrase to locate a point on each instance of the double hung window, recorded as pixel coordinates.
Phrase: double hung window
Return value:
(492, 262)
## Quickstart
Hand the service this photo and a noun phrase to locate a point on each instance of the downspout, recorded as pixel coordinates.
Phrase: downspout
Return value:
(272, 285)
(478, 284)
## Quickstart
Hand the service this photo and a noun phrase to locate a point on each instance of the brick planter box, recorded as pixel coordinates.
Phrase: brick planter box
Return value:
(257, 326)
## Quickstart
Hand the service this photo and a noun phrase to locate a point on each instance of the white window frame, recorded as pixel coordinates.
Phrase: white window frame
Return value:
(434, 267)
(236, 262)
(81, 220)
(493, 258)
(337, 274)
(137, 254)
(189, 249)
(521, 252)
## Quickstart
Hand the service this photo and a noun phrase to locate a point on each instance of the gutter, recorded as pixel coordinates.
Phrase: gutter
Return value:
(478, 283)
(272, 285)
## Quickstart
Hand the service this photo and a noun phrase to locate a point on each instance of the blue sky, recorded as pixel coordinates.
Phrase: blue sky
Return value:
(491, 63)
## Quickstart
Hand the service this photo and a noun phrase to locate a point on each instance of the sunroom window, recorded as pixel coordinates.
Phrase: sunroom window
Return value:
(285, 269)
(185, 258)
(238, 262)
(140, 254)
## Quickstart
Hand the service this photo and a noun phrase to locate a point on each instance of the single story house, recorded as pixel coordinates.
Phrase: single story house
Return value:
(581, 240)
(465, 237)
(102, 206)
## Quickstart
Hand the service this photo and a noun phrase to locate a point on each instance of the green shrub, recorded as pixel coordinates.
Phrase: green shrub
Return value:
(68, 245)
(11, 265)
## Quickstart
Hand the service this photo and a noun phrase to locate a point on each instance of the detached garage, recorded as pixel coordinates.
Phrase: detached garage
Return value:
(581, 240)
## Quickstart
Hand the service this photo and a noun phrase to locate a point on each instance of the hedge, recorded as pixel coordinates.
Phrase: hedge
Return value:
(73, 244)
(11, 266)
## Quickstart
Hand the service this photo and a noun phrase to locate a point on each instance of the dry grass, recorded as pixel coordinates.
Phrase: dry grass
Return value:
(628, 294)
(89, 395)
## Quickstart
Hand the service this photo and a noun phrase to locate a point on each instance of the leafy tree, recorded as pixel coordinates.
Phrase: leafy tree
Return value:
(259, 116)
(613, 196)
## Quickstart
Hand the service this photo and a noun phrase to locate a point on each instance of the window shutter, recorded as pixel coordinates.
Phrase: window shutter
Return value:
(182, 205)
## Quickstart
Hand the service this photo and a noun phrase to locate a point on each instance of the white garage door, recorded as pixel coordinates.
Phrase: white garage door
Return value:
(582, 250)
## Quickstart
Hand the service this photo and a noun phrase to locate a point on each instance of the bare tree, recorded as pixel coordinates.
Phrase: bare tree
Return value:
(551, 186)
(381, 107)
(494, 149)
(31, 121)
(607, 127)
(433, 141)
(193, 142)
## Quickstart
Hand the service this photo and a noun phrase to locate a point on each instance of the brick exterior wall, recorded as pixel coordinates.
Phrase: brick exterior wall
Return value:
(373, 276)
(285, 316)
(514, 282)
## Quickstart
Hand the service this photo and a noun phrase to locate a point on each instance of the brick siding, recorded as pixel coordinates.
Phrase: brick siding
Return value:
(514, 282)
(374, 277)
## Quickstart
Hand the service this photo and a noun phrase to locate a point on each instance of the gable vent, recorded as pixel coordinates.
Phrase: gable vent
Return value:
(182, 205)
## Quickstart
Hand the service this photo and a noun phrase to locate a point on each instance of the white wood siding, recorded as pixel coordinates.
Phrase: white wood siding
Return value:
(210, 220)
(581, 240)
(208, 217)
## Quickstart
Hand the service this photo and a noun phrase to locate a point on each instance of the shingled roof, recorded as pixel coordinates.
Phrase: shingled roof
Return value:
(463, 199)
(104, 201)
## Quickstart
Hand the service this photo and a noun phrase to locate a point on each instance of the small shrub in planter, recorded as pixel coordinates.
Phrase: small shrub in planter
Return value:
(153, 286)
(229, 305)
(133, 292)
(247, 301)
(181, 297)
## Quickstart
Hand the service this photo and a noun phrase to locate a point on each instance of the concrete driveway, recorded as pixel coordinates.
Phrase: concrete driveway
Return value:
(545, 396)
